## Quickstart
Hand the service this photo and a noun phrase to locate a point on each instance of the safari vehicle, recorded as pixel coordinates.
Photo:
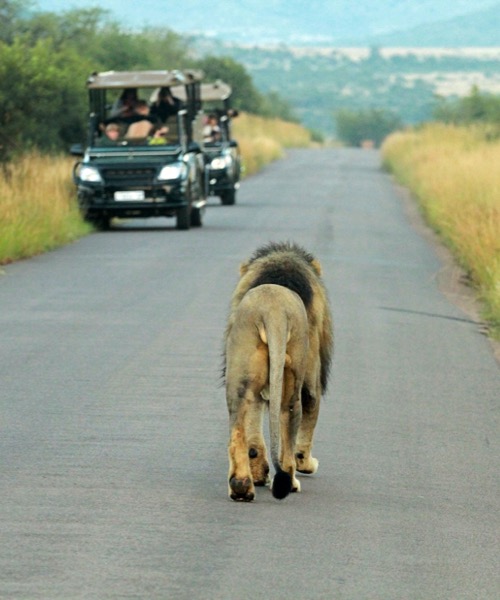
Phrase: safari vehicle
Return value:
(223, 159)
(142, 175)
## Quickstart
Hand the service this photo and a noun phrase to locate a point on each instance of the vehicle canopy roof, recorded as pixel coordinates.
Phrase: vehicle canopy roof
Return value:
(210, 92)
(143, 79)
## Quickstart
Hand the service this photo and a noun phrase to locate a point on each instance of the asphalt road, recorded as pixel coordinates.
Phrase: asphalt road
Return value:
(114, 426)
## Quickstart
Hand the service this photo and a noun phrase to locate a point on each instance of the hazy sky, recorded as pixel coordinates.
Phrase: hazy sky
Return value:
(337, 19)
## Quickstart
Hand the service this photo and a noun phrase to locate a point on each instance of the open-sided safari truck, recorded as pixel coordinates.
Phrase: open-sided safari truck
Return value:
(223, 159)
(142, 167)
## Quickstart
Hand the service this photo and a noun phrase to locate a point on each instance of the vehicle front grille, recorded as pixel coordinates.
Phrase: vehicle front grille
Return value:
(129, 176)
(212, 153)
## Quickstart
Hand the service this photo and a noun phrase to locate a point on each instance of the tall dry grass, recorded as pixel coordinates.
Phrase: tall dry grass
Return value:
(454, 173)
(38, 209)
(263, 140)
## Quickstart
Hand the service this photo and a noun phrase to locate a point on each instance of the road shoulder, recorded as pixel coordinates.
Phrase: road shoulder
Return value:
(451, 278)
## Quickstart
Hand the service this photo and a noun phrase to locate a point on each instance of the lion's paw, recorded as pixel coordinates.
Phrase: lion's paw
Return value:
(259, 467)
(306, 465)
(241, 490)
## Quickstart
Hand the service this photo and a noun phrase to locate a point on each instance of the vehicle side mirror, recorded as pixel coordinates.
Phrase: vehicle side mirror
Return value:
(233, 143)
(76, 150)
(194, 147)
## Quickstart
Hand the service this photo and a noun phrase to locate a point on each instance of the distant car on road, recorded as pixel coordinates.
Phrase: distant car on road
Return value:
(137, 166)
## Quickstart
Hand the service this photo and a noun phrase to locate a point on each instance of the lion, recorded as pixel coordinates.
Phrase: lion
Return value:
(278, 351)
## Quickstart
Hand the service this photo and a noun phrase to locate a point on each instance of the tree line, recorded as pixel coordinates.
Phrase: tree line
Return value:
(356, 126)
(46, 58)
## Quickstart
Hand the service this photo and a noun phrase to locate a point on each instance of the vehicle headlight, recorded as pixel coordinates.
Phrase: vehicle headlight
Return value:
(173, 171)
(220, 162)
(89, 174)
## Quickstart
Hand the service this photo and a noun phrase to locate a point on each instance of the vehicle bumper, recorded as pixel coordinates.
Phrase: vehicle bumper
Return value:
(158, 201)
(219, 181)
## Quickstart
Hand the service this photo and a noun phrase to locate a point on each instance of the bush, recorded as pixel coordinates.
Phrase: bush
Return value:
(374, 125)
(41, 104)
(477, 107)
(263, 140)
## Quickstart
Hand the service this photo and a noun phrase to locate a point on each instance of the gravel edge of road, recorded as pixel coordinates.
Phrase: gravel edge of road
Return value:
(451, 277)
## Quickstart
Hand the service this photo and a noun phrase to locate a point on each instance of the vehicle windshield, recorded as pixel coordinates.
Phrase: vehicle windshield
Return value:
(128, 117)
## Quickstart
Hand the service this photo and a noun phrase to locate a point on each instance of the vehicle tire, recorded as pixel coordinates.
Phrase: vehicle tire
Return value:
(101, 223)
(184, 218)
(196, 217)
(228, 197)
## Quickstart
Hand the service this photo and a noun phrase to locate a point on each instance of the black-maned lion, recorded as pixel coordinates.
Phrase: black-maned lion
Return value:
(278, 349)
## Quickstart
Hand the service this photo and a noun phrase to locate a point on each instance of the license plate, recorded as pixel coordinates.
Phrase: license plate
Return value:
(130, 196)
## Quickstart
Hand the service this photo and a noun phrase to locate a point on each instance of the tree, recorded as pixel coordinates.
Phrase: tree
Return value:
(274, 106)
(476, 107)
(44, 65)
(10, 15)
(354, 127)
(41, 103)
(245, 95)
(76, 28)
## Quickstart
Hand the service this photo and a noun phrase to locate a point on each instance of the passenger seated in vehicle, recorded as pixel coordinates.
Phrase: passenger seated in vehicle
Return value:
(111, 135)
(211, 130)
(125, 105)
(138, 125)
(141, 123)
(166, 105)
(145, 126)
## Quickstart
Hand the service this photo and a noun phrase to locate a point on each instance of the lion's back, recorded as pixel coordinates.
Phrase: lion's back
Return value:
(291, 266)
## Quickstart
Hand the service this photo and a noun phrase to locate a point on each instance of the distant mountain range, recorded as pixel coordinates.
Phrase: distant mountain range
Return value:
(479, 29)
(422, 23)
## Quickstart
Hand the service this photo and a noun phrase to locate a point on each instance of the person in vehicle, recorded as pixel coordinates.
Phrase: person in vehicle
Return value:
(125, 105)
(111, 135)
(166, 105)
(211, 130)
(144, 124)
(139, 113)
(112, 132)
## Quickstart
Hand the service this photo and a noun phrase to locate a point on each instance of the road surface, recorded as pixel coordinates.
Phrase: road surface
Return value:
(114, 425)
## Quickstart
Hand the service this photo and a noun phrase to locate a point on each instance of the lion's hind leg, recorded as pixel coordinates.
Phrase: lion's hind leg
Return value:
(241, 485)
(305, 461)
(291, 413)
(257, 451)
(247, 451)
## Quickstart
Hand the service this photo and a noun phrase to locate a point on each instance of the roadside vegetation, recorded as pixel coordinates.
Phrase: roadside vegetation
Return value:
(362, 126)
(264, 140)
(452, 171)
(38, 210)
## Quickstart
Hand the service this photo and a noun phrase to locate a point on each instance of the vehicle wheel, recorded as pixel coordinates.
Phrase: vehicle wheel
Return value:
(196, 217)
(183, 218)
(101, 223)
(228, 197)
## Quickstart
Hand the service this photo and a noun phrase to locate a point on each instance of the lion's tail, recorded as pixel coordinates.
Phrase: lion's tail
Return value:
(282, 482)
